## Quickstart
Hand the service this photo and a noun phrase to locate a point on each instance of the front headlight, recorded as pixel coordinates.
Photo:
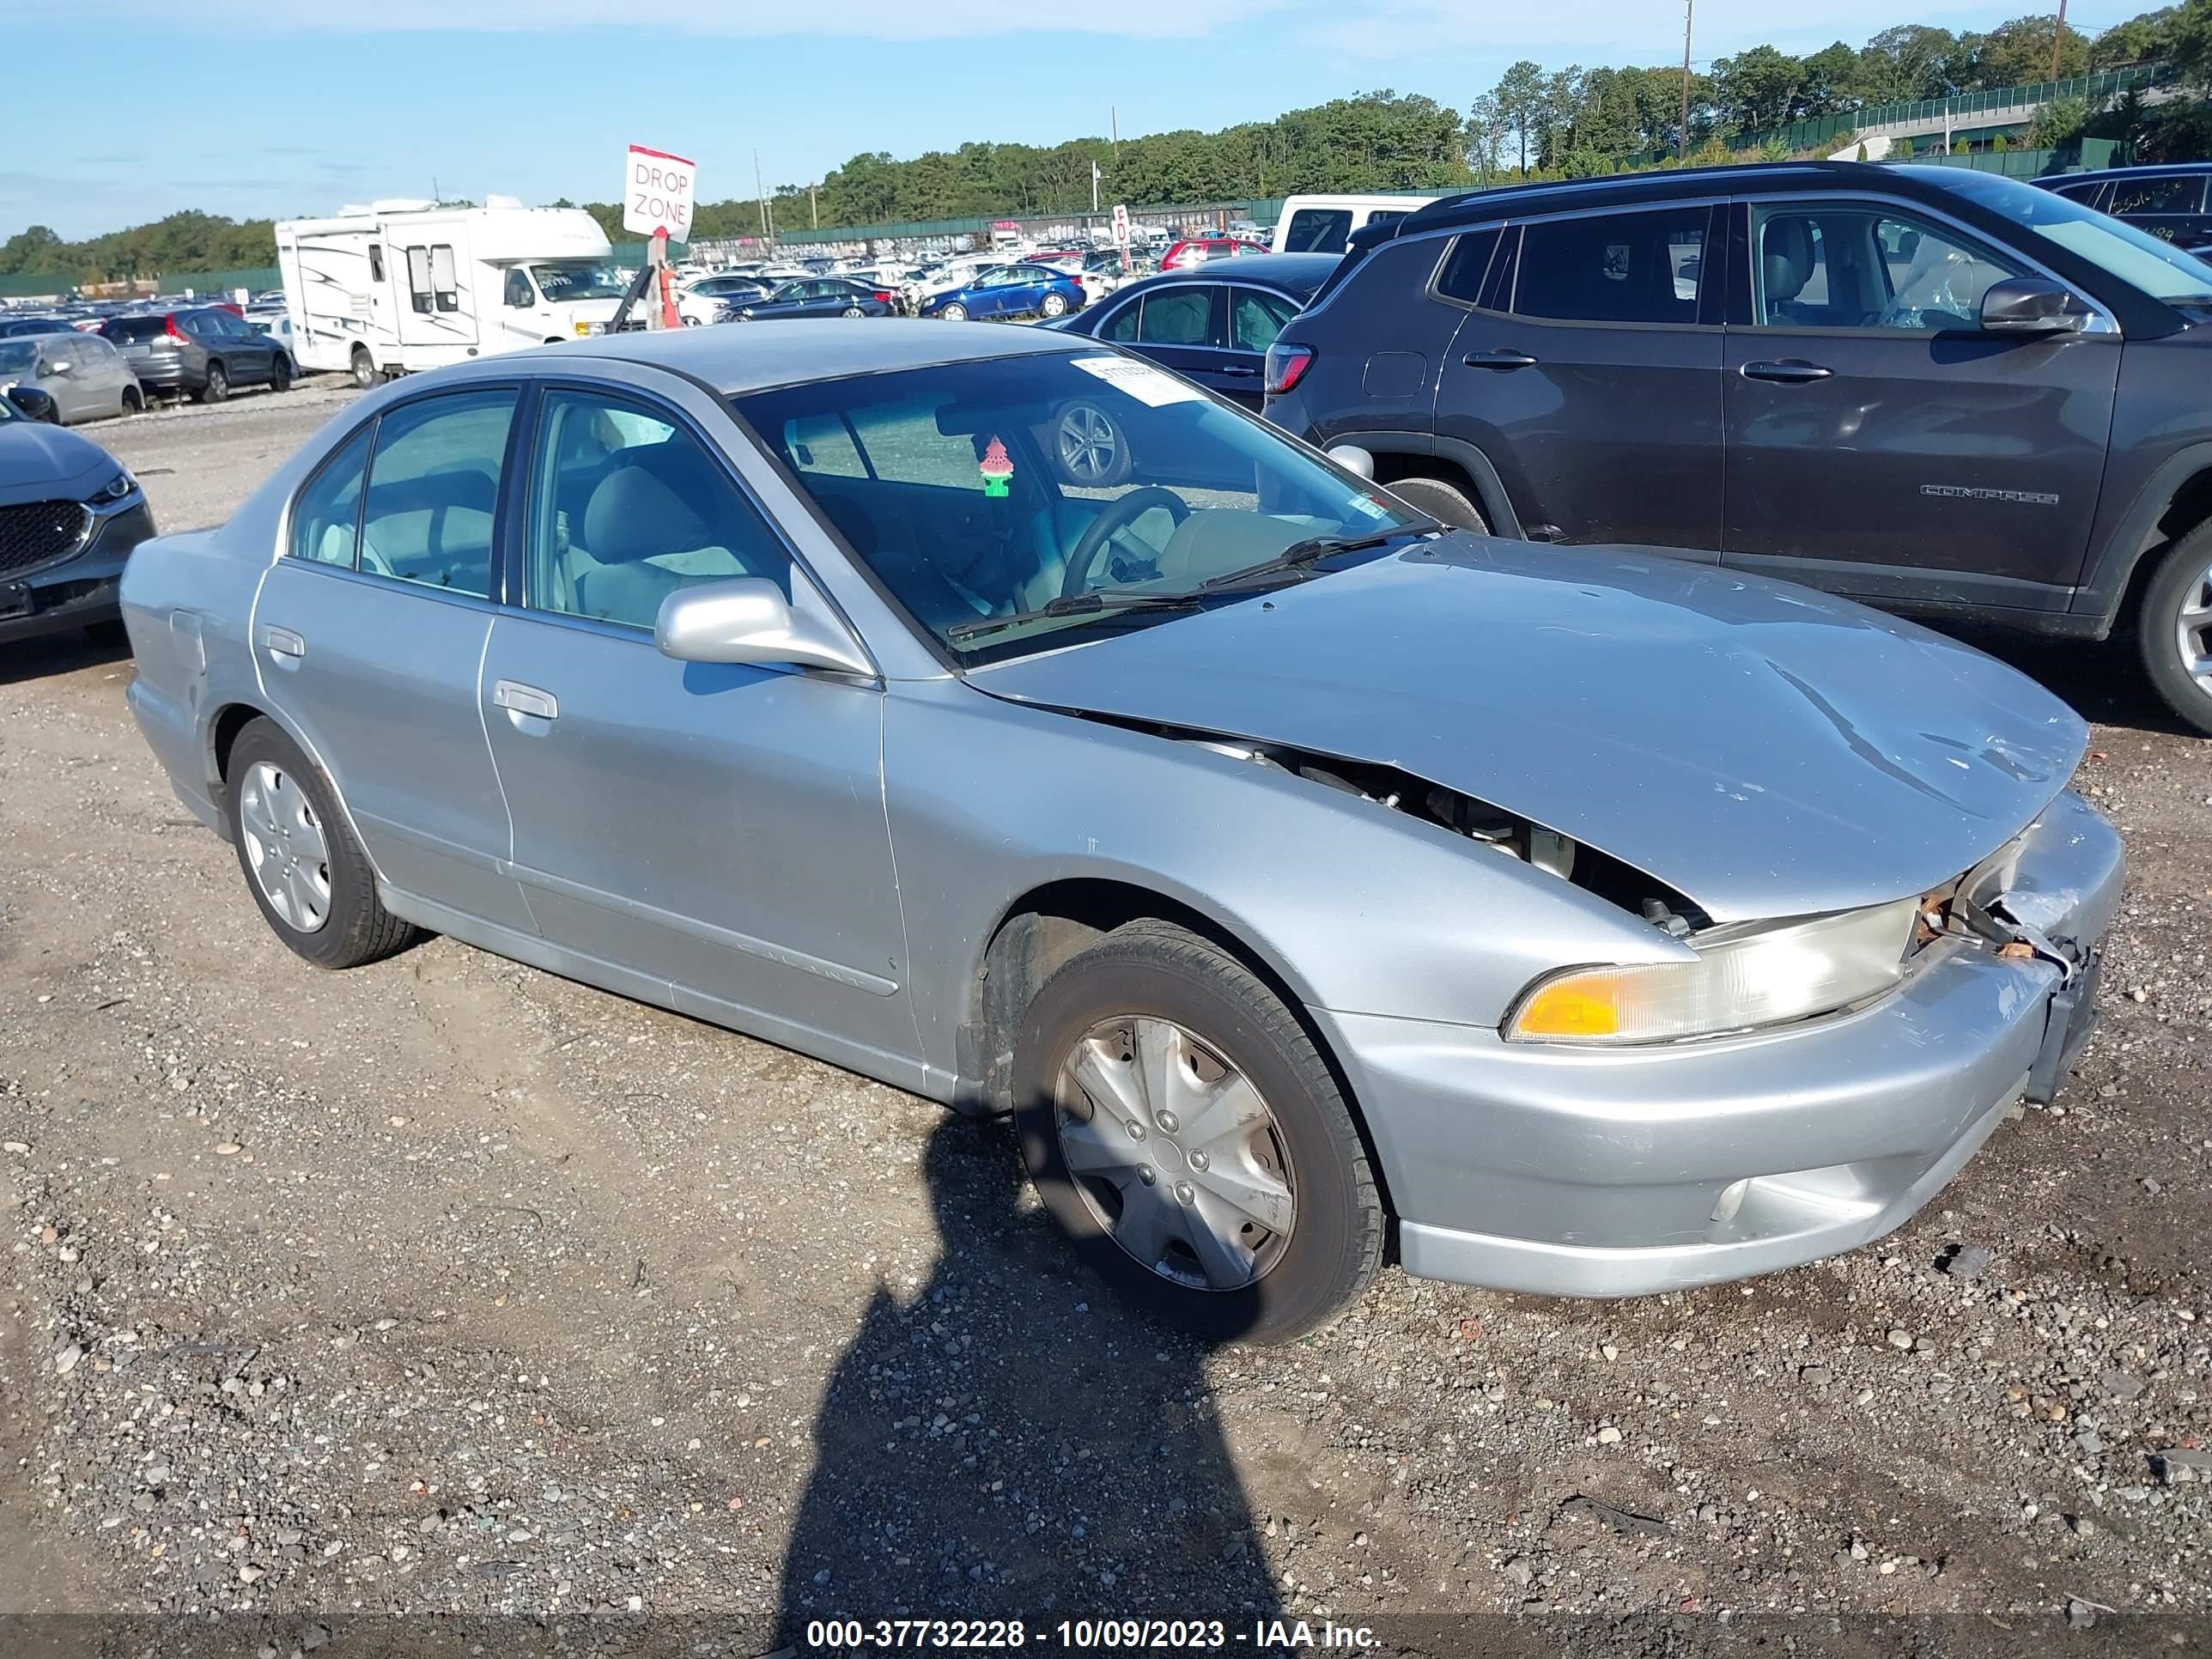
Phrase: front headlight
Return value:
(120, 488)
(1756, 974)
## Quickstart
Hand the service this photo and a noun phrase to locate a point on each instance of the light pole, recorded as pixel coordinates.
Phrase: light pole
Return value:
(1687, 7)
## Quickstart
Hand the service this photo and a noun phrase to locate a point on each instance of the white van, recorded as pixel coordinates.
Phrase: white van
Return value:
(402, 285)
(1324, 224)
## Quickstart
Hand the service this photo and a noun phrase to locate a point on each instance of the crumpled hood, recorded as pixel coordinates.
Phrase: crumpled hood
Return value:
(1766, 750)
(42, 462)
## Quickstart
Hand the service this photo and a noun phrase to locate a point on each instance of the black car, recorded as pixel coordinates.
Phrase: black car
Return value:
(12, 326)
(202, 351)
(69, 515)
(815, 297)
(1931, 388)
(2168, 202)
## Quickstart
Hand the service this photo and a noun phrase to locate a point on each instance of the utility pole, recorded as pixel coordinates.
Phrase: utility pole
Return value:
(2057, 39)
(1114, 119)
(759, 191)
(1687, 7)
(813, 209)
(1094, 186)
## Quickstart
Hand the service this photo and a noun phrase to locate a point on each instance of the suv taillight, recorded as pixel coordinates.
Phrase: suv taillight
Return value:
(169, 328)
(1287, 366)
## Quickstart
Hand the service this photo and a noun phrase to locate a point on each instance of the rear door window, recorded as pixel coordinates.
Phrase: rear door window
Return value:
(433, 490)
(1256, 317)
(1613, 267)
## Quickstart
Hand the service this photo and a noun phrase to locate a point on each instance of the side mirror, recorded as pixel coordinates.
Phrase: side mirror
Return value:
(1353, 458)
(746, 619)
(32, 401)
(2031, 305)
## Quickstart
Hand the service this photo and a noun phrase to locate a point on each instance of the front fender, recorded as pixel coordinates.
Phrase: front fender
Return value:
(1354, 907)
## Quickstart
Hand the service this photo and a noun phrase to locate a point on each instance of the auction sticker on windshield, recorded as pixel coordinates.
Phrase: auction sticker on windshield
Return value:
(1142, 381)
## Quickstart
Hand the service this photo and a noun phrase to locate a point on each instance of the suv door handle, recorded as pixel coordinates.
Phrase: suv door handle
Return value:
(519, 699)
(1240, 372)
(1789, 371)
(1500, 360)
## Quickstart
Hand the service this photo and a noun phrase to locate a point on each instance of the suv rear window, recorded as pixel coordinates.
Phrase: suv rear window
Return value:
(134, 330)
(1613, 267)
(1462, 279)
(1318, 230)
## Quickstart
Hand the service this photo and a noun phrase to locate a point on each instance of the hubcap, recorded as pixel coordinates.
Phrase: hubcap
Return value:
(1087, 444)
(284, 846)
(2193, 631)
(1176, 1153)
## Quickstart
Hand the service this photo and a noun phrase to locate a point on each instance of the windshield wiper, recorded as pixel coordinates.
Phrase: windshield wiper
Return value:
(1077, 605)
(1298, 555)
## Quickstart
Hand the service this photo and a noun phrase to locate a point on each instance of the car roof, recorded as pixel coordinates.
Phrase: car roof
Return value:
(2095, 175)
(1626, 189)
(738, 360)
(1299, 274)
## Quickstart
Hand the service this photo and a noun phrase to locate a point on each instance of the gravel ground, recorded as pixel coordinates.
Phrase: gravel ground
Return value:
(448, 1287)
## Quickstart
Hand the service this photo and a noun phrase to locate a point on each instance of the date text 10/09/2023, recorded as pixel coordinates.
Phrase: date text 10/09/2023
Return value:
(1087, 1635)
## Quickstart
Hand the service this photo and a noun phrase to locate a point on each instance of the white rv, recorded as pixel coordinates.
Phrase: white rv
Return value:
(1324, 224)
(403, 285)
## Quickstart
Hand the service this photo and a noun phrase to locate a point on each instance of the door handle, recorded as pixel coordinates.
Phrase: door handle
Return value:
(1499, 360)
(519, 699)
(1790, 371)
(282, 642)
(1241, 373)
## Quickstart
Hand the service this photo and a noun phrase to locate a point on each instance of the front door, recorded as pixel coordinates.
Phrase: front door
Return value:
(368, 635)
(1591, 381)
(1879, 444)
(717, 828)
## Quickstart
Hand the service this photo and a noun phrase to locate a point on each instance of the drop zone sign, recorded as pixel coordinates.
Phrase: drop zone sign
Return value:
(658, 191)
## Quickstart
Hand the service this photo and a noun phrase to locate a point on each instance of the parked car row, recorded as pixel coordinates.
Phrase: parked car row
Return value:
(70, 516)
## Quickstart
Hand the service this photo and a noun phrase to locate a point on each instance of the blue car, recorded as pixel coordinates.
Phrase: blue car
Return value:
(1022, 290)
(813, 296)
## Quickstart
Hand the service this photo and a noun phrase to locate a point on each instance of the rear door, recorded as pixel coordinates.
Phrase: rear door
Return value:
(1879, 444)
(1588, 372)
(1184, 327)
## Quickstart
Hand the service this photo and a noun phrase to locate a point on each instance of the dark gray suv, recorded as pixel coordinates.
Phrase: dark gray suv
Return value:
(1932, 389)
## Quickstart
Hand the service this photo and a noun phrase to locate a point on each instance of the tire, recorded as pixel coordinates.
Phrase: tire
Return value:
(365, 374)
(1090, 447)
(690, 322)
(280, 374)
(134, 401)
(1053, 305)
(354, 927)
(1297, 1158)
(955, 312)
(851, 311)
(1445, 503)
(217, 386)
(2173, 629)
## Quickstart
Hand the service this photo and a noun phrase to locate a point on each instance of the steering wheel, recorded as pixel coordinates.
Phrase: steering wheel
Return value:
(1110, 523)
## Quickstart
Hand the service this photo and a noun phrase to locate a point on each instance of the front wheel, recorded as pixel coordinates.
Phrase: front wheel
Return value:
(954, 313)
(306, 872)
(218, 384)
(2174, 631)
(1092, 449)
(1181, 1127)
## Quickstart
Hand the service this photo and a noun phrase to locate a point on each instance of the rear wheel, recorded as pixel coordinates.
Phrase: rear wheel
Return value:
(280, 374)
(302, 865)
(1186, 1135)
(2174, 630)
(365, 374)
(218, 384)
(134, 400)
(851, 311)
(1445, 503)
(1053, 305)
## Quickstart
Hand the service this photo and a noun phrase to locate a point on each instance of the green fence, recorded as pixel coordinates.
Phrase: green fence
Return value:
(1962, 109)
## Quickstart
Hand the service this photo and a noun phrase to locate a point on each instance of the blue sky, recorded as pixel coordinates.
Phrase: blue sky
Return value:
(319, 101)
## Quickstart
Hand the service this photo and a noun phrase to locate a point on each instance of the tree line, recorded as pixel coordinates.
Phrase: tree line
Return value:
(1534, 123)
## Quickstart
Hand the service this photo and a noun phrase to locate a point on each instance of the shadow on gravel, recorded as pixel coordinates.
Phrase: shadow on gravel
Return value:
(1010, 1442)
(58, 653)
(2102, 681)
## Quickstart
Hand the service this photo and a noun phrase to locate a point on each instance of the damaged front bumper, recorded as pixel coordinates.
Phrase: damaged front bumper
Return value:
(1595, 1172)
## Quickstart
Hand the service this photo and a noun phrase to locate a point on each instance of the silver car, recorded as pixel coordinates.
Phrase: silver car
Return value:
(1307, 880)
(85, 376)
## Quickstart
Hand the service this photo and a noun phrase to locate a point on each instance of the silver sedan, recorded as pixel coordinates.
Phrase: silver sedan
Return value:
(1308, 880)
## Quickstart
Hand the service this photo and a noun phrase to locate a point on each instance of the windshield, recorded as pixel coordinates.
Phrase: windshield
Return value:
(579, 279)
(2135, 257)
(19, 356)
(982, 493)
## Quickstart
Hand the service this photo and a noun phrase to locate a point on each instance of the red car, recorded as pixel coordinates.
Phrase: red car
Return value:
(1197, 249)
